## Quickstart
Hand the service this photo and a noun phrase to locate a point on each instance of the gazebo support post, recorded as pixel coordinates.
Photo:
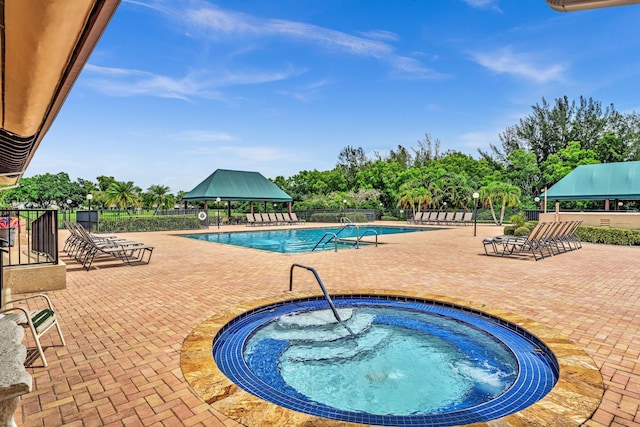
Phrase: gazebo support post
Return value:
(606, 204)
(206, 209)
(289, 207)
(251, 207)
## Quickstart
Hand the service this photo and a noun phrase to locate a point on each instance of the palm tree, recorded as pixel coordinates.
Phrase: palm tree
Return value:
(122, 194)
(510, 195)
(158, 195)
(406, 197)
(488, 195)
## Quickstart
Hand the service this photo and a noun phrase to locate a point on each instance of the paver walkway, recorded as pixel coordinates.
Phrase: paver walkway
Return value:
(125, 326)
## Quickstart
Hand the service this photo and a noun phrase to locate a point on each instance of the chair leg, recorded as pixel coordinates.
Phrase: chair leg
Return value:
(37, 339)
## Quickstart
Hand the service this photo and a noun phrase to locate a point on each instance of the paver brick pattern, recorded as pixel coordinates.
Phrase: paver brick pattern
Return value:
(125, 325)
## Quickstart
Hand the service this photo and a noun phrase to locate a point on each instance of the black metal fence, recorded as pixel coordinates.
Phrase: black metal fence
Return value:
(29, 236)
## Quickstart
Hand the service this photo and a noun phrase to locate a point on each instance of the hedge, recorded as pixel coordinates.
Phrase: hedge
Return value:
(609, 236)
(335, 217)
(147, 223)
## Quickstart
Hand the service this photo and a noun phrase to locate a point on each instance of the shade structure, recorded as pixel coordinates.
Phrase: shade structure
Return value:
(44, 44)
(599, 182)
(232, 185)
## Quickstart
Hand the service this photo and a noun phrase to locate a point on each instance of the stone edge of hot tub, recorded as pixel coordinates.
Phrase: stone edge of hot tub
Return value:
(572, 401)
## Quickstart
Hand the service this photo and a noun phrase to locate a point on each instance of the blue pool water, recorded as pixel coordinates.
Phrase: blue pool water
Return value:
(402, 362)
(290, 241)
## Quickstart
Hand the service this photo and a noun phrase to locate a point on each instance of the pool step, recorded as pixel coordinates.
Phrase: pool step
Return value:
(328, 351)
(320, 325)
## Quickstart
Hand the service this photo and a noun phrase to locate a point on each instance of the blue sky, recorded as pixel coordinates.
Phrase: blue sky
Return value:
(177, 89)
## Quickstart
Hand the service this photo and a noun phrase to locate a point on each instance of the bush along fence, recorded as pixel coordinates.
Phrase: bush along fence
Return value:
(610, 236)
(147, 223)
(336, 217)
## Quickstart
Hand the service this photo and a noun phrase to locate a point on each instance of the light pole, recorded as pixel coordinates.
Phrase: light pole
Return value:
(89, 197)
(475, 212)
(218, 205)
(69, 201)
(344, 202)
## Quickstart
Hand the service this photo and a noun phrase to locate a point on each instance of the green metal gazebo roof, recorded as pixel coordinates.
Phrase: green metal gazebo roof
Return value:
(230, 185)
(599, 182)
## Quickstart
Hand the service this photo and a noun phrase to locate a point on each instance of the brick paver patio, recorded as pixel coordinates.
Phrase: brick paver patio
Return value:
(125, 326)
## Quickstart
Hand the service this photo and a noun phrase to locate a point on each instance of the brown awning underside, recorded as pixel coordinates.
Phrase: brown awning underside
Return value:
(43, 46)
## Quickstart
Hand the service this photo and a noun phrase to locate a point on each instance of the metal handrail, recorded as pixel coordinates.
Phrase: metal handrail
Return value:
(324, 290)
(335, 235)
(335, 240)
(372, 232)
(344, 220)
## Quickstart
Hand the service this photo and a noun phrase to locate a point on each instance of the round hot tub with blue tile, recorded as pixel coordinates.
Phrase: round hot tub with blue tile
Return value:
(385, 360)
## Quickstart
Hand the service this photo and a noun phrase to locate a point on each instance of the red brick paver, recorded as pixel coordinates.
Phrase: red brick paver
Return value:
(125, 326)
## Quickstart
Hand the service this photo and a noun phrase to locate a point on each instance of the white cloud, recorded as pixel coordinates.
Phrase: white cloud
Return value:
(207, 20)
(202, 136)
(505, 61)
(200, 84)
(483, 4)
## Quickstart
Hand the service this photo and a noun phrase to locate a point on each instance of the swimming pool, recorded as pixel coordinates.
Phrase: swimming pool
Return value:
(298, 240)
(402, 362)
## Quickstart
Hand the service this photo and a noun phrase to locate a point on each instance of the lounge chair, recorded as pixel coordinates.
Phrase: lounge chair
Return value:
(282, 220)
(294, 218)
(417, 218)
(251, 220)
(457, 218)
(534, 243)
(36, 314)
(467, 218)
(273, 220)
(448, 217)
(431, 217)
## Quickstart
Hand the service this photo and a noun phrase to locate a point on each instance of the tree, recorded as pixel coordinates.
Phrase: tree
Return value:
(550, 128)
(502, 193)
(159, 196)
(350, 160)
(509, 195)
(558, 165)
(45, 190)
(523, 172)
(122, 195)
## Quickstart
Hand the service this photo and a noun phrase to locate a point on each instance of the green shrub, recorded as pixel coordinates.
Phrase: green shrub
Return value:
(517, 220)
(509, 230)
(530, 225)
(126, 224)
(388, 218)
(335, 217)
(521, 231)
(610, 236)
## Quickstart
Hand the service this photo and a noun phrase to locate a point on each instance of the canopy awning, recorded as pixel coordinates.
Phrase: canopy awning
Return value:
(231, 185)
(599, 182)
(44, 44)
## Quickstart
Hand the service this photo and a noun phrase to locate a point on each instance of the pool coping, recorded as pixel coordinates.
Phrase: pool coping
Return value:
(572, 401)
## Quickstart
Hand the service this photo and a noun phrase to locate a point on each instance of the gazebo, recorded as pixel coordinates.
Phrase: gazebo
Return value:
(230, 185)
(604, 181)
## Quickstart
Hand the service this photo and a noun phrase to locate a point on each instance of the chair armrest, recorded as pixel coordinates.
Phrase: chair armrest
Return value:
(32, 297)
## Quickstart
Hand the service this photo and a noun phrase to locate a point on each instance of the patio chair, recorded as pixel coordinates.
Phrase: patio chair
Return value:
(534, 243)
(467, 218)
(457, 218)
(273, 220)
(294, 218)
(35, 314)
(251, 221)
(417, 218)
(281, 219)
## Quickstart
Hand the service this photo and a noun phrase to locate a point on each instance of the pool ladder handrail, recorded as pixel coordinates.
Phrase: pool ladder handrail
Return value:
(324, 290)
(335, 237)
(369, 231)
